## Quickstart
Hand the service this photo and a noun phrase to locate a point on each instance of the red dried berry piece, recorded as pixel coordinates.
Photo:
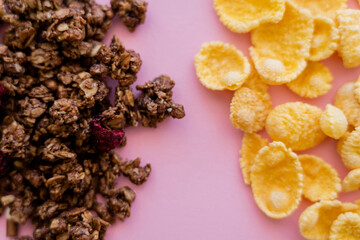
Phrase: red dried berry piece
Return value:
(105, 139)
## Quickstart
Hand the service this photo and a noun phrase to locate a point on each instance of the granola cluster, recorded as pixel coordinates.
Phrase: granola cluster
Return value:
(57, 126)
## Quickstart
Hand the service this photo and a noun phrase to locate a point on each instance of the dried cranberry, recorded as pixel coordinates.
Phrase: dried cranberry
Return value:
(105, 139)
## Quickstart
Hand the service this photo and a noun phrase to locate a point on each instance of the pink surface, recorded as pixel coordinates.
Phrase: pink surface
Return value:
(196, 189)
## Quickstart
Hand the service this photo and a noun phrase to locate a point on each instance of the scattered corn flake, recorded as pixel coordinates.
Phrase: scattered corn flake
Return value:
(333, 122)
(350, 150)
(321, 181)
(315, 222)
(313, 82)
(244, 15)
(251, 144)
(255, 82)
(349, 44)
(221, 66)
(277, 180)
(352, 181)
(280, 49)
(346, 227)
(325, 39)
(296, 124)
(357, 90)
(249, 109)
(341, 142)
(346, 101)
(327, 8)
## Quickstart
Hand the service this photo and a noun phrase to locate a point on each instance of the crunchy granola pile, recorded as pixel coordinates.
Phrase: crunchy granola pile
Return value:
(57, 125)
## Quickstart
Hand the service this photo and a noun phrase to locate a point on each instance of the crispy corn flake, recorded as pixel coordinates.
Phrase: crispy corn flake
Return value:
(349, 44)
(249, 109)
(255, 82)
(221, 66)
(333, 122)
(325, 39)
(346, 227)
(313, 82)
(357, 90)
(352, 181)
(346, 101)
(341, 142)
(244, 15)
(350, 150)
(325, 8)
(321, 181)
(315, 222)
(280, 49)
(277, 180)
(251, 144)
(296, 124)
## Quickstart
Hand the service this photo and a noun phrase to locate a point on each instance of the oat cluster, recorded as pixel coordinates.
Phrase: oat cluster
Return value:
(290, 38)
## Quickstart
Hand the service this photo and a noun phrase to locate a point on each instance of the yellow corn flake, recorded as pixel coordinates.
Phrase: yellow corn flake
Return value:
(315, 222)
(350, 150)
(349, 44)
(249, 109)
(296, 124)
(325, 8)
(244, 15)
(251, 144)
(325, 39)
(321, 181)
(277, 180)
(221, 66)
(313, 82)
(280, 49)
(346, 227)
(333, 122)
(357, 90)
(346, 101)
(255, 82)
(341, 141)
(352, 181)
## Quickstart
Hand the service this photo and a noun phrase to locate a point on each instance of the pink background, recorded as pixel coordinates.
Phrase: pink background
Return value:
(196, 189)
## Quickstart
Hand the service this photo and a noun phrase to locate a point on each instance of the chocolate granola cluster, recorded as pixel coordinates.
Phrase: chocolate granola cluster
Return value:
(57, 125)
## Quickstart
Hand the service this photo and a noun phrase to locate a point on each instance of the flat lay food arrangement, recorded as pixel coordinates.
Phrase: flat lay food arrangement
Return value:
(264, 141)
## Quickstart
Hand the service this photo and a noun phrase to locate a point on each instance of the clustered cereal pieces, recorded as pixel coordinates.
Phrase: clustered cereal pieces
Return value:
(131, 12)
(57, 126)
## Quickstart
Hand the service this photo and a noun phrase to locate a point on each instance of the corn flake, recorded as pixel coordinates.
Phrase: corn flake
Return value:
(251, 144)
(333, 122)
(350, 150)
(244, 15)
(352, 181)
(255, 82)
(296, 124)
(325, 8)
(280, 49)
(346, 226)
(221, 66)
(349, 45)
(277, 180)
(321, 181)
(357, 90)
(346, 101)
(313, 82)
(325, 39)
(341, 141)
(249, 109)
(315, 222)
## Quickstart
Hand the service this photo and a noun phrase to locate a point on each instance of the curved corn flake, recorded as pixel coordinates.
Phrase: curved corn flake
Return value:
(350, 150)
(346, 226)
(221, 66)
(333, 122)
(352, 181)
(321, 181)
(277, 180)
(327, 8)
(341, 141)
(244, 15)
(251, 144)
(349, 44)
(249, 109)
(280, 49)
(357, 90)
(315, 222)
(325, 39)
(255, 82)
(296, 124)
(346, 101)
(313, 82)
